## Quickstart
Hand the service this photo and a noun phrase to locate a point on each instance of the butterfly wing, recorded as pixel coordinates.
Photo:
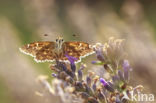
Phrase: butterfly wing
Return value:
(41, 51)
(77, 49)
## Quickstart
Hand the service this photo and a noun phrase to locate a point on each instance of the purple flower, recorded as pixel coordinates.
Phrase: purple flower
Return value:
(126, 68)
(99, 52)
(71, 58)
(125, 64)
(106, 85)
(54, 75)
(97, 62)
(64, 68)
(80, 74)
(94, 62)
(72, 62)
(88, 80)
(99, 55)
(111, 84)
(103, 82)
(94, 87)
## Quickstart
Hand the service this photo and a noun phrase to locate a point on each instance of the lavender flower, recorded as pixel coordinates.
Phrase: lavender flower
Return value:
(71, 58)
(126, 68)
(103, 82)
(97, 62)
(94, 87)
(80, 74)
(99, 52)
(54, 75)
(106, 85)
(72, 62)
(88, 80)
(125, 64)
(87, 87)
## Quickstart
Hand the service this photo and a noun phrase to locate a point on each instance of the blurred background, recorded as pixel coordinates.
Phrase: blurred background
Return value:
(25, 21)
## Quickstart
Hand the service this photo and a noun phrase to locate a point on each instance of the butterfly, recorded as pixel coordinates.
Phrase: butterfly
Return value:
(49, 51)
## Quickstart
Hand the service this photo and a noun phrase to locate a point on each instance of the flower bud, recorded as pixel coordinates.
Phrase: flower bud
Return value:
(126, 68)
(88, 80)
(106, 85)
(80, 74)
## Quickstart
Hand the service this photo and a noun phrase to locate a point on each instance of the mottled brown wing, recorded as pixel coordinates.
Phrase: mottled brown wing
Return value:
(77, 49)
(46, 54)
(42, 51)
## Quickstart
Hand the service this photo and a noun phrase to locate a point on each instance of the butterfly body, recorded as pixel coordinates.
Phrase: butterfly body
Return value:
(47, 51)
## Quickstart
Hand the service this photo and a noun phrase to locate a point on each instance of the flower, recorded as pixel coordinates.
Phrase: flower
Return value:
(89, 87)
(80, 74)
(103, 82)
(106, 85)
(54, 75)
(99, 51)
(71, 58)
(126, 68)
(72, 62)
(125, 65)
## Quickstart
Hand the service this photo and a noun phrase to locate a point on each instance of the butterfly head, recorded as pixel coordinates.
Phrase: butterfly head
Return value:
(59, 42)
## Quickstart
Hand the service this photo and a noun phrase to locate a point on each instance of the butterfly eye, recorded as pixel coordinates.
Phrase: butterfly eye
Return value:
(56, 40)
